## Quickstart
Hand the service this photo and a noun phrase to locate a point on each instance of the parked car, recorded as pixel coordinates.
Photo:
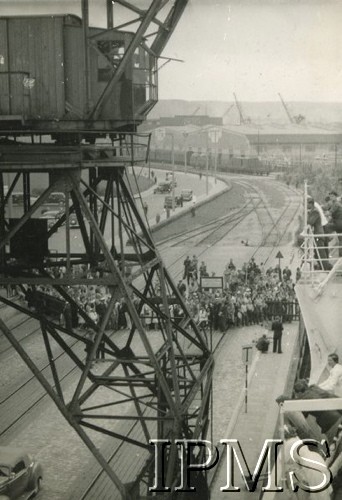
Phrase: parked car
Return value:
(56, 199)
(73, 221)
(168, 201)
(163, 187)
(187, 194)
(168, 178)
(51, 216)
(20, 474)
(18, 199)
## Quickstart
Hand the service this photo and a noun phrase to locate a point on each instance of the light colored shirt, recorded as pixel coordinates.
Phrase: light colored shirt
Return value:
(324, 220)
(334, 382)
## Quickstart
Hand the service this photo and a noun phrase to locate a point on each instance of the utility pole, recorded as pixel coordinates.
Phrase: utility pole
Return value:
(173, 170)
(207, 174)
(207, 166)
(185, 135)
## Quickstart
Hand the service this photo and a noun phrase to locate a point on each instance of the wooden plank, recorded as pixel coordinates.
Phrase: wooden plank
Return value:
(74, 68)
(4, 87)
(14, 36)
(59, 63)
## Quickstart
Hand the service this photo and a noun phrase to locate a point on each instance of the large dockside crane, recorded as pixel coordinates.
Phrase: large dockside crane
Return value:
(69, 112)
(292, 118)
(244, 120)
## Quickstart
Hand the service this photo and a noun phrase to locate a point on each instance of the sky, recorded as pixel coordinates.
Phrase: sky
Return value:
(255, 48)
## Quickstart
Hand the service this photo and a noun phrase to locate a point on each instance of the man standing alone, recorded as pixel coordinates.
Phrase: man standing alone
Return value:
(277, 328)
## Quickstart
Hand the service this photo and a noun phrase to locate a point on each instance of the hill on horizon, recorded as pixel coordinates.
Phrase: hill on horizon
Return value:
(258, 112)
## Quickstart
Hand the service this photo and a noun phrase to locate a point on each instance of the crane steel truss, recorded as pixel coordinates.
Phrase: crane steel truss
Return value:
(158, 382)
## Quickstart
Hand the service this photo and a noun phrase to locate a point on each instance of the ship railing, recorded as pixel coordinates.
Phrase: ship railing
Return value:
(320, 254)
(282, 467)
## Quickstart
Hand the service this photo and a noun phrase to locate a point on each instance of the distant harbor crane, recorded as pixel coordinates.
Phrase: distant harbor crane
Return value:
(295, 118)
(244, 120)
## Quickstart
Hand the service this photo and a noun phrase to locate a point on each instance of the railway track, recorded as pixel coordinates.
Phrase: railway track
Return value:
(217, 230)
(28, 397)
(23, 334)
(17, 404)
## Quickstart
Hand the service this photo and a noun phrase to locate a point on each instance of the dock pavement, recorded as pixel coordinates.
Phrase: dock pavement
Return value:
(268, 376)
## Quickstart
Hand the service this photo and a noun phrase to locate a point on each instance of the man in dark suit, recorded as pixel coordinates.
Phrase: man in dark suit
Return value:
(277, 328)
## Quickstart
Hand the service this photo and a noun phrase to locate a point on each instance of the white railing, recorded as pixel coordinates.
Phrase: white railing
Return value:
(321, 252)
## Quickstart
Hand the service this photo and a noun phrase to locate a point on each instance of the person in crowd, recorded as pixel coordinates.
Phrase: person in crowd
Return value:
(203, 317)
(100, 351)
(277, 328)
(181, 287)
(100, 307)
(178, 313)
(231, 265)
(203, 269)
(314, 220)
(122, 319)
(193, 287)
(335, 222)
(187, 265)
(88, 347)
(334, 381)
(194, 267)
(90, 309)
(286, 273)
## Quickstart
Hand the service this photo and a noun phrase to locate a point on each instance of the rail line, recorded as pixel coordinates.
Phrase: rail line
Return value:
(29, 394)
(270, 220)
(22, 337)
(217, 230)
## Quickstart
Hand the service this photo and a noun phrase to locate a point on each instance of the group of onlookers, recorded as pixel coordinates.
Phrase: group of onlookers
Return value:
(325, 220)
(92, 299)
(249, 295)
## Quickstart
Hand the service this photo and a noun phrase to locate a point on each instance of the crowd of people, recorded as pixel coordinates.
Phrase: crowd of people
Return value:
(92, 299)
(249, 295)
(326, 220)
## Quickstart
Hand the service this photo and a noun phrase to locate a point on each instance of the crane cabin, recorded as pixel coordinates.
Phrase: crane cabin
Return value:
(58, 73)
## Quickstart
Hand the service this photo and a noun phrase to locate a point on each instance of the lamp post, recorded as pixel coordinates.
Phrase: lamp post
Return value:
(162, 133)
(215, 135)
(173, 170)
(207, 173)
(185, 135)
